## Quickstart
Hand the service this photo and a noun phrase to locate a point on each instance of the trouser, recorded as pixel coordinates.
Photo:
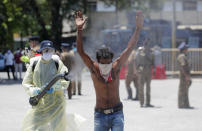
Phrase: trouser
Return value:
(8, 67)
(77, 84)
(128, 81)
(145, 78)
(183, 92)
(18, 68)
(70, 88)
(106, 119)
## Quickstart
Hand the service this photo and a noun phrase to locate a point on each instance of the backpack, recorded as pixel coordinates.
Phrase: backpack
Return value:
(35, 62)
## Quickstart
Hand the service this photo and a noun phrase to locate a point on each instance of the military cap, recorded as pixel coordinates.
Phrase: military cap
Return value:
(183, 46)
(66, 45)
(34, 38)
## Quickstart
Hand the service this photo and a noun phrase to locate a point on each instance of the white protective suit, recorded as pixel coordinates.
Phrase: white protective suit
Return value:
(49, 114)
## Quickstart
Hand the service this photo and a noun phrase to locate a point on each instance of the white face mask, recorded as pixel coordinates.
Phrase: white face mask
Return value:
(105, 68)
(47, 56)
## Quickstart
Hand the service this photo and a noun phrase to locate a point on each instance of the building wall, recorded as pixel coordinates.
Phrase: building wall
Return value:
(184, 16)
(105, 20)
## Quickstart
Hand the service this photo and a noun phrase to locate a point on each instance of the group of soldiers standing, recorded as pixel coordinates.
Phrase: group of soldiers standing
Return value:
(141, 65)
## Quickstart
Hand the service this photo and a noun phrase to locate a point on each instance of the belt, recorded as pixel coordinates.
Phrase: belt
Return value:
(116, 108)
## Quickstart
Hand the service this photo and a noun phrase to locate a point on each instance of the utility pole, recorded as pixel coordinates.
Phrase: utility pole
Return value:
(174, 36)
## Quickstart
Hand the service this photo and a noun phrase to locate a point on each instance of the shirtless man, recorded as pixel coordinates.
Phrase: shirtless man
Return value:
(105, 75)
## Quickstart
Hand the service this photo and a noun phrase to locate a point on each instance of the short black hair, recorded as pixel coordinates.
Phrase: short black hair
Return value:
(104, 52)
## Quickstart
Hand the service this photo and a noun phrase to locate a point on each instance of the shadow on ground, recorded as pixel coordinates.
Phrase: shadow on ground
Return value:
(9, 82)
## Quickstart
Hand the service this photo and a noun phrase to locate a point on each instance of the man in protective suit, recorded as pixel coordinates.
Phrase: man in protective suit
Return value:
(49, 114)
(145, 62)
(185, 80)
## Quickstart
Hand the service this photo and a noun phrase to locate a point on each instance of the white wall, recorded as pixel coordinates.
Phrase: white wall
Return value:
(102, 7)
(199, 6)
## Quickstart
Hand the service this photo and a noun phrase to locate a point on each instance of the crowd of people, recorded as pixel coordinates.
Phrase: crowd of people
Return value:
(13, 63)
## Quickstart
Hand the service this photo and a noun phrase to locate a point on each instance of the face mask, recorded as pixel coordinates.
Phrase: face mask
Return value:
(105, 68)
(74, 49)
(47, 56)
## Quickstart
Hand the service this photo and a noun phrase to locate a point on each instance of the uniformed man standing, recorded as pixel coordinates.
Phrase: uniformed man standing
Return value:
(67, 57)
(185, 80)
(34, 45)
(145, 62)
(78, 68)
(131, 76)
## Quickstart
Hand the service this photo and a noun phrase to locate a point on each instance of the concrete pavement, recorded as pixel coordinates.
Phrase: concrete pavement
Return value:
(165, 116)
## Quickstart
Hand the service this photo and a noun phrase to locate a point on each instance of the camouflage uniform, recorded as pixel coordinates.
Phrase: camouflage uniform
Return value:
(131, 76)
(183, 100)
(145, 62)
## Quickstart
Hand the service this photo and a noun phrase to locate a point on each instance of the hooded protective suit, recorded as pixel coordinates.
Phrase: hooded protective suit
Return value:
(49, 114)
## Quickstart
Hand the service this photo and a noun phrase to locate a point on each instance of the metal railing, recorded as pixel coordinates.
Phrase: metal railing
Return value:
(169, 59)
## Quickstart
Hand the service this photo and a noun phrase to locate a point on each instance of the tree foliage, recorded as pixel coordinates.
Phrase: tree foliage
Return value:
(35, 17)
(45, 17)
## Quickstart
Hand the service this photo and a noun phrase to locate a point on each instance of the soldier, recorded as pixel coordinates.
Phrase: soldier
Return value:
(34, 46)
(79, 65)
(31, 52)
(67, 57)
(145, 62)
(185, 80)
(131, 76)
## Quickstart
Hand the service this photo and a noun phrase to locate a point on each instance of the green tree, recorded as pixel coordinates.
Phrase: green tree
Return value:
(50, 14)
(36, 17)
(8, 23)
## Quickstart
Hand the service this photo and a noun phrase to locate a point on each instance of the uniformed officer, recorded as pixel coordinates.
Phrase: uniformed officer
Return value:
(67, 57)
(145, 62)
(185, 80)
(78, 68)
(31, 51)
(34, 46)
(131, 76)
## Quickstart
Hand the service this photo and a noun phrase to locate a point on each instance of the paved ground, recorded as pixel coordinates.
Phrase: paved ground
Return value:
(164, 117)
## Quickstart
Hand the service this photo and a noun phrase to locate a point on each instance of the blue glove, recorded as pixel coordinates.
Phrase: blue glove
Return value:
(35, 91)
(50, 91)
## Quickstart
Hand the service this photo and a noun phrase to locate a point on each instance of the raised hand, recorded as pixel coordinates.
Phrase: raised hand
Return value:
(139, 20)
(79, 20)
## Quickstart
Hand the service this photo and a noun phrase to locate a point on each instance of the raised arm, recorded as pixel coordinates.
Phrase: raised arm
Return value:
(133, 40)
(80, 21)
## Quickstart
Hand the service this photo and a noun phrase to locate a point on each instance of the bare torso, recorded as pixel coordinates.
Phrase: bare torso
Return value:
(107, 93)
